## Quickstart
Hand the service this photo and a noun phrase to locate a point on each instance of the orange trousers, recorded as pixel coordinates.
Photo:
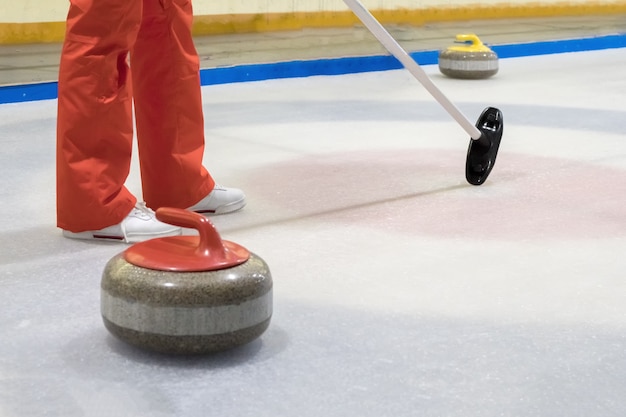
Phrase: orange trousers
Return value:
(96, 91)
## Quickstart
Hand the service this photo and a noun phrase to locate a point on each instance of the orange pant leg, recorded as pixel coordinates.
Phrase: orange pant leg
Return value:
(168, 107)
(94, 124)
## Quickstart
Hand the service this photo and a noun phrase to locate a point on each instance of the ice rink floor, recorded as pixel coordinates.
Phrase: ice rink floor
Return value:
(399, 289)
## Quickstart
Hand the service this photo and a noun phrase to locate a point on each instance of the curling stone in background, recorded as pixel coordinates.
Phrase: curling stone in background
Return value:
(472, 60)
(186, 294)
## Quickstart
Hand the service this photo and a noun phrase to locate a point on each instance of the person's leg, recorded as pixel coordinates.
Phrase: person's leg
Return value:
(94, 128)
(168, 107)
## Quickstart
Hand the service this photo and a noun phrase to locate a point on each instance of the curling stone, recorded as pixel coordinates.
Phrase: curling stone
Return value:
(186, 294)
(472, 60)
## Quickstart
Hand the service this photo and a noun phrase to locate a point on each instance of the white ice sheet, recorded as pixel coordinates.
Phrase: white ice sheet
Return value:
(400, 290)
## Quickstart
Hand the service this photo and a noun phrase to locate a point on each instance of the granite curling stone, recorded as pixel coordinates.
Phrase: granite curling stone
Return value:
(186, 294)
(472, 60)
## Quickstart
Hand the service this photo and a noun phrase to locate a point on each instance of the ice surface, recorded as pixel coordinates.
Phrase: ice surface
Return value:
(400, 290)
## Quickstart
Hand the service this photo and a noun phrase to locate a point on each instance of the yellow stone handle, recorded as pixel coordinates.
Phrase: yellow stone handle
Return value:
(476, 44)
(469, 37)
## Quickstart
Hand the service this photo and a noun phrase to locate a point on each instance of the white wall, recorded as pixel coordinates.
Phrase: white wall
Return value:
(206, 7)
(33, 11)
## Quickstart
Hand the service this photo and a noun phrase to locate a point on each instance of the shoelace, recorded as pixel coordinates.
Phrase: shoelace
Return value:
(142, 211)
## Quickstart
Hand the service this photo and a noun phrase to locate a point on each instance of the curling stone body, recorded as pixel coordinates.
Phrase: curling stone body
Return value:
(469, 61)
(164, 305)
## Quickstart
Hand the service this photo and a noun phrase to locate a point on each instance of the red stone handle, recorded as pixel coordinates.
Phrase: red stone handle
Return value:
(206, 252)
(210, 243)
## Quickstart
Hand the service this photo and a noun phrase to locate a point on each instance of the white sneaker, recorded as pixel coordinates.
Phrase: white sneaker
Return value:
(221, 200)
(140, 224)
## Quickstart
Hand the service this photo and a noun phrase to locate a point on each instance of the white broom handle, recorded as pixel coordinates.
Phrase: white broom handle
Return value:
(409, 63)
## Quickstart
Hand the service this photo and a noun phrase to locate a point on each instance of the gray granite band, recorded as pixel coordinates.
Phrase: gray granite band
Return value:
(475, 64)
(185, 321)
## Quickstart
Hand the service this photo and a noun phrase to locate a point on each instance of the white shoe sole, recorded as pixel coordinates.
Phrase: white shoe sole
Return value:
(134, 238)
(226, 208)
